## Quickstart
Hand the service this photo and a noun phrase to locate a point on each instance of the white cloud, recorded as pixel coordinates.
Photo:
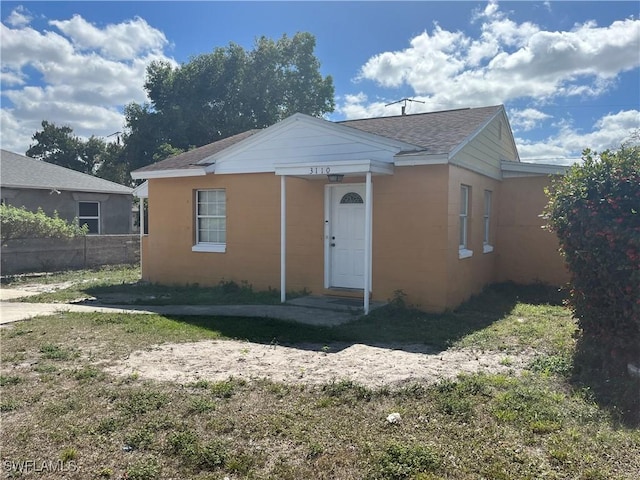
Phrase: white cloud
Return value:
(122, 41)
(509, 61)
(19, 17)
(565, 146)
(526, 119)
(80, 82)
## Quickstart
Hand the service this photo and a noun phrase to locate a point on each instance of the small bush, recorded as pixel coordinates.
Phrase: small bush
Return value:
(18, 223)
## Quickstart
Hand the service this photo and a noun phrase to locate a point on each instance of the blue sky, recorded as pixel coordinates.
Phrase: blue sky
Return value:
(568, 73)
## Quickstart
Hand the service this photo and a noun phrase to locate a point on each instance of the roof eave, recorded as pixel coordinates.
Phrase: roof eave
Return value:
(169, 173)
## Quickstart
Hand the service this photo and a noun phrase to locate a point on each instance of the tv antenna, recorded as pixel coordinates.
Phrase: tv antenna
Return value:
(404, 106)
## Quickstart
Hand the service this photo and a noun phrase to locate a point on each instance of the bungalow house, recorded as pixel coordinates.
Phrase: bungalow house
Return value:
(435, 205)
(104, 206)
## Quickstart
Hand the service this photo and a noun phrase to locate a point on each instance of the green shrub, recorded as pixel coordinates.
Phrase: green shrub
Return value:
(595, 211)
(18, 223)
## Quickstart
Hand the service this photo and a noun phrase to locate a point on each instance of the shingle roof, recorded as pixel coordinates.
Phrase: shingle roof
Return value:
(192, 157)
(435, 132)
(18, 171)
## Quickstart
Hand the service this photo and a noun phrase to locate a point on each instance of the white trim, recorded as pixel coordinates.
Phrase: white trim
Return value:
(464, 253)
(524, 169)
(320, 170)
(327, 216)
(367, 242)
(486, 248)
(412, 160)
(283, 239)
(142, 190)
(210, 247)
(90, 217)
(177, 172)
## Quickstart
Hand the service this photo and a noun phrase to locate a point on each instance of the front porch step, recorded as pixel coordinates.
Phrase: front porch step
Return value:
(331, 302)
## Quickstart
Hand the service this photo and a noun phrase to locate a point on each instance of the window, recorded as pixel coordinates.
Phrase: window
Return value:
(351, 197)
(211, 221)
(486, 242)
(89, 215)
(465, 191)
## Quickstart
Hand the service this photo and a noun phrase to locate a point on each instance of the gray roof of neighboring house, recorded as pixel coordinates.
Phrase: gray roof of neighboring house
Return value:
(19, 171)
(434, 133)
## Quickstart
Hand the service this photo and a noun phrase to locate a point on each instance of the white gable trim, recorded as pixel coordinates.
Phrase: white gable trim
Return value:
(475, 133)
(184, 172)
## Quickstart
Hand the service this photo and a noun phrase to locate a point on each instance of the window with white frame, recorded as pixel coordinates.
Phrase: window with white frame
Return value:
(211, 221)
(89, 215)
(486, 242)
(465, 193)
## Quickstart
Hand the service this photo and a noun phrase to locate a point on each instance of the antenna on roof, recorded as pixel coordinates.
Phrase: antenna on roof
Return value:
(405, 100)
(117, 138)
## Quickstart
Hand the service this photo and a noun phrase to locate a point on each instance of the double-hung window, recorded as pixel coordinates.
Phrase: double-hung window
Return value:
(211, 221)
(465, 193)
(89, 215)
(486, 242)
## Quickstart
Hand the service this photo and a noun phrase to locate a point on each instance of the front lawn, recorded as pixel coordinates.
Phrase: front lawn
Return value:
(61, 411)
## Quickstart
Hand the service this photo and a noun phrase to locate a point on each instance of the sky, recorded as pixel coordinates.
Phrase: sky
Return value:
(567, 72)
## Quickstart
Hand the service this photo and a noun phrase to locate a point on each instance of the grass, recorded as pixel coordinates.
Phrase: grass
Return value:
(58, 403)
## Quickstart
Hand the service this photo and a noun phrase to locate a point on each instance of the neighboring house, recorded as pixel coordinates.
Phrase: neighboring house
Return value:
(434, 206)
(103, 205)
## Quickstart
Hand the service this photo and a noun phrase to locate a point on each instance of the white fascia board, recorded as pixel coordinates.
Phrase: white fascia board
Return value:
(411, 160)
(178, 172)
(322, 169)
(524, 169)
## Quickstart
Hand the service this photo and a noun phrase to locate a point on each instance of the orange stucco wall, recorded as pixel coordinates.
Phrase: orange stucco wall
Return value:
(526, 252)
(415, 234)
(467, 276)
(409, 235)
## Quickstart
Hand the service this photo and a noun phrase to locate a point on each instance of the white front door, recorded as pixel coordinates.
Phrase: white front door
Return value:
(346, 236)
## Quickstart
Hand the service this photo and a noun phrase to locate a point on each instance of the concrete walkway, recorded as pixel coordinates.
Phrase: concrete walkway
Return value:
(311, 310)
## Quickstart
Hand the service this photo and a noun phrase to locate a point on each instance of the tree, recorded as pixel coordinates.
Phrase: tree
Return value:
(94, 156)
(225, 92)
(595, 211)
(58, 145)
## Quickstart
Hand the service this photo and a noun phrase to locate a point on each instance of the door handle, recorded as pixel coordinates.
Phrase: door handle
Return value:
(333, 244)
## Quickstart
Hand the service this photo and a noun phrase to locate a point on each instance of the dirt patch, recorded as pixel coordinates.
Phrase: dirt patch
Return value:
(371, 366)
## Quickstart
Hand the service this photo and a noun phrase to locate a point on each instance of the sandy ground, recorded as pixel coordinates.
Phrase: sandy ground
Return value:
(372, 366)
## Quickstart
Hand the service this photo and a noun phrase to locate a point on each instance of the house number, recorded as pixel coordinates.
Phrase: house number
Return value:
(320, 170)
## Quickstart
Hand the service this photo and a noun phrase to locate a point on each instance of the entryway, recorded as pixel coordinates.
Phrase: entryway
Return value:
(346, 232)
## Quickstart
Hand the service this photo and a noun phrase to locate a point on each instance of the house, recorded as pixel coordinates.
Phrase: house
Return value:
(435, 205)
(104, 206)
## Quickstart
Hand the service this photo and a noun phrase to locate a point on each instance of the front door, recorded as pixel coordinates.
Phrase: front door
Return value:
(346, 236)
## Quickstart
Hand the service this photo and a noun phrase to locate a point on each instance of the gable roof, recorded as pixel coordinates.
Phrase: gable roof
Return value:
(19, 171)
(434, 133)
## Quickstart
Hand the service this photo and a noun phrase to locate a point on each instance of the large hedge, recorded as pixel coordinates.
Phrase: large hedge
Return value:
(18, 223)
(595, 211)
